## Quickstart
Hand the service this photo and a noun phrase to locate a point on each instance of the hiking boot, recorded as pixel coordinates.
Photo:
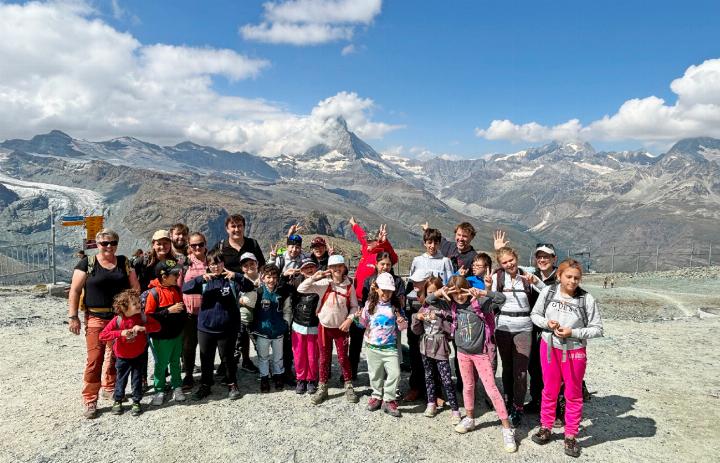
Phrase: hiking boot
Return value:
(466, 425)
(264, 384)
(202, 392)
(558, 423)
(322, 394)
(136, 409)
(532, 407)
(543, 436)
(440, 403)
(247, 365)
(572, 448)
(350, 394)
(509, 440)
(90, 411)
(374, 404)
(233, 392)
(515, 417)
(391, 408)
(117, 408)
(179, 395)
(455, 418)
(301, 387)
(279, 382)
(312, 387)
(158, 399)
(411, 395)
(430, 410)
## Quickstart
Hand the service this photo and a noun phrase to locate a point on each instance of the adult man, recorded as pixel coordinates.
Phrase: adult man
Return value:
(461, 253)
(179, 237)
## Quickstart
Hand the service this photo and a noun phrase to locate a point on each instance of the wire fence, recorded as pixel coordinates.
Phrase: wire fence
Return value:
(25, 263)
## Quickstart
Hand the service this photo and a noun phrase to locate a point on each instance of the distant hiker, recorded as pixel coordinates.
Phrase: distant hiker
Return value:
(568, 316)
(612, 282)
(137, 256)
(196, 266)
(96, 281)
(605, 283)
(80, 255)
(179, 236)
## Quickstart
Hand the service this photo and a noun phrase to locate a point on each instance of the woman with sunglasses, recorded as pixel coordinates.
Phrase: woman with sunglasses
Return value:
(196, 266)
(96, 281)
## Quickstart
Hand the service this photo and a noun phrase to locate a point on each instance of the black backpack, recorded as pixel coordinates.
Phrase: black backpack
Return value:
(469, 331)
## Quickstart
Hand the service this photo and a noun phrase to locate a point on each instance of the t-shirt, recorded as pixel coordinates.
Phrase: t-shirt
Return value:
(449, 249)
(103, 285)
(232, 255)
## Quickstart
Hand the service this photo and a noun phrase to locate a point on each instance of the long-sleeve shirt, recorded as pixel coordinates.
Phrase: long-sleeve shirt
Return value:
(218, 310)
(195, 269)
(516, 301)
(337, 301)
(439, 265)
(434, 334)
(368, 259)
(381, 327)
(123, 347)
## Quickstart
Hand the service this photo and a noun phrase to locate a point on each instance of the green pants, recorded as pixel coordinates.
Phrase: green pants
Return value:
(167, 352)
(384, 372)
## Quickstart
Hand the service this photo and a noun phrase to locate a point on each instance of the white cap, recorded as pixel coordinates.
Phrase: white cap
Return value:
(336, 259)
(546, 249)
(248, 255)
(420, 275)
(161, 235)
(385, 281)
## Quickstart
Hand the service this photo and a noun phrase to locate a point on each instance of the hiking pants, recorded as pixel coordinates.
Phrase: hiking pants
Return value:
(555, 372)
(357, 339)
(482, 363)
(431, 367)
(223, 342)
(100, 364)
(534, 369)
(417, 371)
(127, 368)
(514, 349)
(384, 372)
(326, 337)
(306, 355)
(167, 352)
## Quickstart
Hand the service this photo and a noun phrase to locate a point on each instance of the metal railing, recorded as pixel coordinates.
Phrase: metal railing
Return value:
(26, 259)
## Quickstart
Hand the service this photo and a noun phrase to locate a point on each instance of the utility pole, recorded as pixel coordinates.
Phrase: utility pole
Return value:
(710, 256)
(657, 257)
(692, 251)
(637, 264)
(612, 261)
(51, 251)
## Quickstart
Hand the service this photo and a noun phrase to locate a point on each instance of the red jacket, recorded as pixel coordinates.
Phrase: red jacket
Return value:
(128, 348)
(172, 324)
(366, 266)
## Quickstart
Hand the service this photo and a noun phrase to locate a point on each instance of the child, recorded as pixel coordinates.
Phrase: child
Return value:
(433, 323)
(129, 329)
(272, 317)
(336, 309)
(288, 262)
(167, 344)
(249, 266)
(383, 323)
(568, 316)
(305, 331)
(218, 320)
(481, 265)
(474, 313)
(432, 260)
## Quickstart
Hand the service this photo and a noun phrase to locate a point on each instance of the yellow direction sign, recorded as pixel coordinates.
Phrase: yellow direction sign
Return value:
(73, 223)
(93, 224)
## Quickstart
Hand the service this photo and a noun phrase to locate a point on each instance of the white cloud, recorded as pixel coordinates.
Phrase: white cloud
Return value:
(348, 50)
(649, 120)
(72, 71)
(311, 22)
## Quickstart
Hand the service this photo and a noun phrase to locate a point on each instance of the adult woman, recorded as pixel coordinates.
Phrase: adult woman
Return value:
(197, 265)
(161, 250)
(95, 282)
(568, 317)
(514, 328)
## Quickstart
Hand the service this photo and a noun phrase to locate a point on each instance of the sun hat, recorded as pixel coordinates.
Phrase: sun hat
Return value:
(420, 275)
(247, 256)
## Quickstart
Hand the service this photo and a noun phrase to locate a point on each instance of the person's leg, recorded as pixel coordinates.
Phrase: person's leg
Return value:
(176, 346)
(417, 371)
(376, 372)
(245, 348)
(456, 363)
(483, 366)
(136, 368)
(313, 353)
(356, 341)
(95, 358)
(300, 356)
(262, 346)
(189, 348)
(534, 370)
(429, 380)
(505, 350)
(226, 346)
(521, 356)
(391, 366)
(443, 367)
(108, 368)
(162, 349)
(552, 379)
(325, 347)
(573, 371)
(278, 349)
(341, 346)
(207, 344)
(468, 376)
(123, 371)
(287, 356)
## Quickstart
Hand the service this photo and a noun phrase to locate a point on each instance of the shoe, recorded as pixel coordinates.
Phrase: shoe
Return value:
(543, 436)
(289, 379)
(509, 440)
(233, 392)
(136, 409)
(411, 395)
(312, 387)
(350, 394)
(247, 365)
(374, 404)
(158, 399)
(179, 395)
(321, 396)
(90, 411)
(105, 394)
(188, 383)
(202, 392)
(516, 416)
(466, 425)
(391, 408)
(279, 382)
(572, 448)
(455, 418)
(430, 411)
(264, 384)
(300, 387)
(117, 408)
(532, 407)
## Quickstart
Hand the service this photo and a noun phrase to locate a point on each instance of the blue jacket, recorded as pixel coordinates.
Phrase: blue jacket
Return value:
(219, 312)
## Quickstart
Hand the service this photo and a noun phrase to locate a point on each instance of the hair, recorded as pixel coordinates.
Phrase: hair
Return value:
(458, 281)
(107, 232)
(124, 299)
(567, 264)
(467, 228)
(198, 234)
(180, 227)
(432, 234)
(270, 269)
(434, 281)
(138, 252)
(481, 256)
(215, 256)
(383, 255)
(235, 218)
(505, 250)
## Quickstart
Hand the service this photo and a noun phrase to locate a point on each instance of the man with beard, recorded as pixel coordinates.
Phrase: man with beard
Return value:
(179, 237)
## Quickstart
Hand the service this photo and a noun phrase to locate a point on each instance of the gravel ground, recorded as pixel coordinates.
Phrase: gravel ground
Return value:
(655, 399)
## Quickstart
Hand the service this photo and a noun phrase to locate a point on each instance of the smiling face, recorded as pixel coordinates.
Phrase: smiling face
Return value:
(107, 245)
(570, 280)
(462, 240)
(544, 261)
(179, 239)
(431, 247)
(384, 294)
(197, 247)
(308, 270)
(235, 231)
(479, 268)
(293, 250)
(270, 280)
(249, 267)
(162, 248)
(508, 262)
(217, 267)
(383, 265)
(338, 272)
(319, 251)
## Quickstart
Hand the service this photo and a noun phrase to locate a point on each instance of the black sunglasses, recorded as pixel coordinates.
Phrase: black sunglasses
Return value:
(197, 245)
(108, 243)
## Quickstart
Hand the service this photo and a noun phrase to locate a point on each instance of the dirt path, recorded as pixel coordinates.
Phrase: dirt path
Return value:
(673, 299)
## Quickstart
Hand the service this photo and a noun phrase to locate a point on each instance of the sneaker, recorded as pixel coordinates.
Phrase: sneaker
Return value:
(411, 395)
(509, 440)
(350, 394)
(233, 392)
(312, 387)
(117, 408)
(90, 411)
(301, 387)
(136, 409)
(515, 417)
(179, 395)
(202, 392)
(466, 425)
(247, 365)
(107, 395)
(430, 411)
(264, 384)
(391, 408)
(543, 436)
(532, 407)
(374, 404)
(572, 448)
(279, 382)
(158, 399)
(455, 418)
(322, 394)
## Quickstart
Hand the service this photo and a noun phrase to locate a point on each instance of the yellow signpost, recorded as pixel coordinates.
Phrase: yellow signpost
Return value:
(93, 224)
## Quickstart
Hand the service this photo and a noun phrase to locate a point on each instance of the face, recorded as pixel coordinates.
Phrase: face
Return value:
(235, 230)
(431, 247)
(509, 263)
(337, 270)
(216, 268)
(384, 265)
(462, 239)
(418, 286)
(179, 239)
(249, 267)
(479, 268)
(570, 280)
(545, 261)
(385, 294)
(308, 270)
(460, 298)
(132, 309)
(270, 280)
(162, 247)
(293, 250)
(197, 246)
(170, 280)
(107, 245)
(319, 251)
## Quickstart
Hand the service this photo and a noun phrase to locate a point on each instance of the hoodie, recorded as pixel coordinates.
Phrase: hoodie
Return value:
(285, 262)
(219, 312)
(366, 266)
(172, 324)
(439, 265)
(337, 301)
(123, 347)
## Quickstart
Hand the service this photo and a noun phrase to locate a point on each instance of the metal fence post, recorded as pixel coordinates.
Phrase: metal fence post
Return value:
(710, 256)
(637, 264)
(51, 253)
(692, 251)
(612, 260)
(657, 257)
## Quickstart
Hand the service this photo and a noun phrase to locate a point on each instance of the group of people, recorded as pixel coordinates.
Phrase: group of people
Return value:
(296, 306)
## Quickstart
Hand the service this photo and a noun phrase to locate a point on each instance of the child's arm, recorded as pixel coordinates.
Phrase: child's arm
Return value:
(497, 300)
(364, 317)
(287, 310)
(247, 307)
(361, 237)
(594, 328)
(111, 331)
(538, 312)
(193, 286)
(417, 325)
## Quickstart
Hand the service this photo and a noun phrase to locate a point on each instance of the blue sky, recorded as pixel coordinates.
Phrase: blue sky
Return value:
(444, 71)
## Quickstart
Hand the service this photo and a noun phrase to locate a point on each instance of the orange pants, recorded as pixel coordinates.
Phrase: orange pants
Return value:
(100, 366)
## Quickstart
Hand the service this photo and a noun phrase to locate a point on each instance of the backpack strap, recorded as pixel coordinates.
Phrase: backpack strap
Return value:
(91, 265)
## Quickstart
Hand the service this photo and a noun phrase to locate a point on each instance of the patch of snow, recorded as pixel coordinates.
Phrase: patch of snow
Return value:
(383, 167)
(519, 154)
(602, 170)
(63, 198)
(524, 173)
(711, 154)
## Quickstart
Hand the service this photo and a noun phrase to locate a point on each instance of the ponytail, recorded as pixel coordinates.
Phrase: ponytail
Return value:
(373, 298)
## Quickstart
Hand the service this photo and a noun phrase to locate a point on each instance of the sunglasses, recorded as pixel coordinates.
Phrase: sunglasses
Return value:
(196, 245)
(108, 243)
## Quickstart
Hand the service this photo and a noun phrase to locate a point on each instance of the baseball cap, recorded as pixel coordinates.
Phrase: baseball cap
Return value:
(294, 239)
(161, 234)
(307, 262)
(318, 241)
(166, 267)
(247, 256)
(385, 281)
(336, 259)
(545, 247)
(420, 275)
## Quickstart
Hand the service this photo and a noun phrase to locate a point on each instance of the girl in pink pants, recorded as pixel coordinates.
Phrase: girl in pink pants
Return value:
(306, 352)
(568, 316)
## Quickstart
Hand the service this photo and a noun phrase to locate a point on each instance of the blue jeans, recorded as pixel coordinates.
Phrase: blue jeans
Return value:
(125, 367)
(262, 346)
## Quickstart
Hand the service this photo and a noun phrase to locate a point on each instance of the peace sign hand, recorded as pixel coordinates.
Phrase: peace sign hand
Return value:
(462, 271)
(352, 221)
(294, 229)
(382, 234)
(274, 249)
(488, 278)
(425, 225)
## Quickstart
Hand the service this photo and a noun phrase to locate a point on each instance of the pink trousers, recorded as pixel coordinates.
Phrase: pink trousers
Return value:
(554, 373)
(483, 364)
(306, 356)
